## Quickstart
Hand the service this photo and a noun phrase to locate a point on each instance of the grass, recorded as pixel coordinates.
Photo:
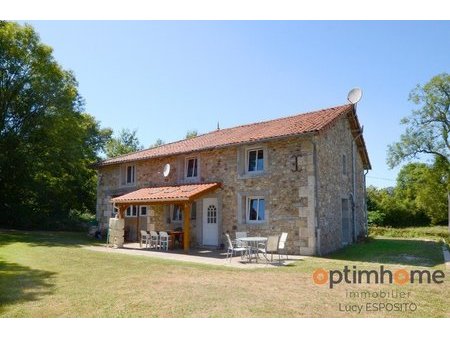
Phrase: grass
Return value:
(49, 274)
(440, 233)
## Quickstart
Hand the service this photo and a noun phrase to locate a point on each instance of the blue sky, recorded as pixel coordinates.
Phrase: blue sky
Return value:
(166, 77)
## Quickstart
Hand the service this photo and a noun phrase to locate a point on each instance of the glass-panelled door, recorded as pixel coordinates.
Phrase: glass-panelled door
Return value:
(210, 222)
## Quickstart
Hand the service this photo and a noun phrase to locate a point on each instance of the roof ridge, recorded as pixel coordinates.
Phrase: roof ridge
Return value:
(284, 117)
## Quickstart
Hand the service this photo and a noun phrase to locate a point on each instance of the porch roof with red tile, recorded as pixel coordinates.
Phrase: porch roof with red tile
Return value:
(166, 194)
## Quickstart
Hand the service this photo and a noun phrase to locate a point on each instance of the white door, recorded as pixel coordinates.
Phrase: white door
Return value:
(210, 222)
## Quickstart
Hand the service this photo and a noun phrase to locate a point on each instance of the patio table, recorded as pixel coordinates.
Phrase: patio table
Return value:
(252, 243)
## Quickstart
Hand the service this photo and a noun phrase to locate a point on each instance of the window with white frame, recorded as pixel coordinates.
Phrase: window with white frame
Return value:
(143, 211)
(177, 214)
(131, 211)
(255, 160)
(192, 167)
(130, 174)
(256, 209)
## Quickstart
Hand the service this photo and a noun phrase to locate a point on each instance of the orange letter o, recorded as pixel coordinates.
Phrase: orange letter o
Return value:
(401, 276)
(320, 276)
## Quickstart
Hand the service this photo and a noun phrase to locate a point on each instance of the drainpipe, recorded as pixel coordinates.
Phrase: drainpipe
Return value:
(366, 222)
(316, 197)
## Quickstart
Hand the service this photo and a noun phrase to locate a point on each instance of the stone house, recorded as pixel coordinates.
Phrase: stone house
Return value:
(302, 174)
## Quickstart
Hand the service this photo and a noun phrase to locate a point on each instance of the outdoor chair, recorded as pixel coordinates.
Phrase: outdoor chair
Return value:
(154, 240)
(164, 240)
(232, 248)
(240, 235)
(271, 246)
(145, 237)
(282, 245)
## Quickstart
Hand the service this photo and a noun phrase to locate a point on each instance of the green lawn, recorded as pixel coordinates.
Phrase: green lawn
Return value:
(50, 274)
(430, 232)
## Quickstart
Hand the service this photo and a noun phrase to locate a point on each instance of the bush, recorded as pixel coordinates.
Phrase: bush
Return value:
(375, 218)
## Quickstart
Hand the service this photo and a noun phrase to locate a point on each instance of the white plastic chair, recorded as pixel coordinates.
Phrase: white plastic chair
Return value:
(164, 240)
(145, 237)
(233, 248)
(271, 246)
(282, 245)
(240, 234)
(154, 240)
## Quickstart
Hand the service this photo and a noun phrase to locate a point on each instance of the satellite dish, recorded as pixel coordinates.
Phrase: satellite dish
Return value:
(354, 95)
(166, 171)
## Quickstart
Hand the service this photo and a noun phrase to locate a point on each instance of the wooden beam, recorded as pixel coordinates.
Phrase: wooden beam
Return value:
(187, 226)
(122, 209)
(138, 230)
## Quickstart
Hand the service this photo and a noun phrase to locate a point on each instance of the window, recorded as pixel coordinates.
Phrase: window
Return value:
(256, 207)
(130, 174)
(344, 165)
(255, 160)
(191, 167)
(177, 214)
(194, 210)
(211, 215)
(143, 211)
(131, 211)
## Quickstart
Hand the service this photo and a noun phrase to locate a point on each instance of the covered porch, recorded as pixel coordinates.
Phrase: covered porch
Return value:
(180, 195)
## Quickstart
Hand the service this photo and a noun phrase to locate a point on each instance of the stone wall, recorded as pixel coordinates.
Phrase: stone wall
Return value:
(288, 193)
(335, 184)
(288, 186)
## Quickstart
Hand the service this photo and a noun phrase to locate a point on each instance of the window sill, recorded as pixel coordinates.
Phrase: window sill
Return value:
(125, 185)
(255, 222)
(253, 175)
(191, 180)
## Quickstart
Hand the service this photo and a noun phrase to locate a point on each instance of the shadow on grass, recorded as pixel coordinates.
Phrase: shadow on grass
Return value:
(19, 284)
(393, 251)
(46, 238)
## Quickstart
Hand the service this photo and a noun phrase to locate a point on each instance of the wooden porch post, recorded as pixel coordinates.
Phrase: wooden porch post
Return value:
(138, 228)
(187, 226)
(122, 209)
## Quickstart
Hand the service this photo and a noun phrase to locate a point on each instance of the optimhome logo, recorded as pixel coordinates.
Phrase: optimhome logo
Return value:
(381, 276)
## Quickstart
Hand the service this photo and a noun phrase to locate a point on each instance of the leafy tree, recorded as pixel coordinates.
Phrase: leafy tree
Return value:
(427, 133)
(432, 193)
(428, 127)
(375, 217)
(47, 145)
(191, 134)
(157, 143)
(387, 207)
(126, 142)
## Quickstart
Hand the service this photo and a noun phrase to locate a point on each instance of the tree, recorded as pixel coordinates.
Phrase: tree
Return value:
(432, 193)
(47, 143)
(191, 134)
(389, 206)
(157, 143)
(126, 142)
(428, 127)
(427, 133)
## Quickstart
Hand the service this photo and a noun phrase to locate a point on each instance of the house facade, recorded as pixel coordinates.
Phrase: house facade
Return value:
(303, 174)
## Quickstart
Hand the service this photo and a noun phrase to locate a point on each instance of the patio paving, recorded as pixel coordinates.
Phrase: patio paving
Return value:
(200, 255)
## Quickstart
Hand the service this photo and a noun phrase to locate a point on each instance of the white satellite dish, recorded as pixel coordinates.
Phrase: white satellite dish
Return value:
(354, 95)
(166, 171)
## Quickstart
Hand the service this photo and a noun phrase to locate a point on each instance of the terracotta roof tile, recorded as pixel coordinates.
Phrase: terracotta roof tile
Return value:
(287, 126)
(166, 194)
